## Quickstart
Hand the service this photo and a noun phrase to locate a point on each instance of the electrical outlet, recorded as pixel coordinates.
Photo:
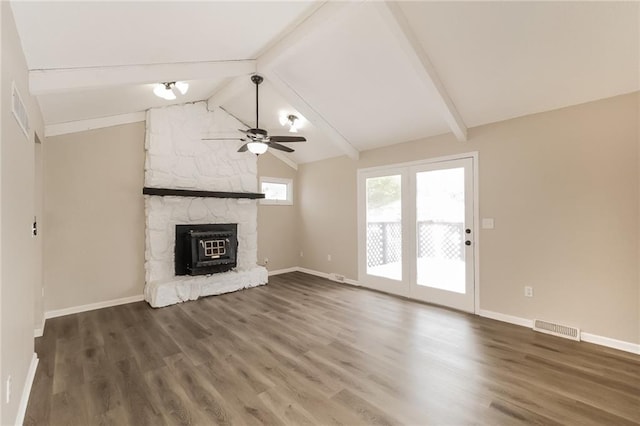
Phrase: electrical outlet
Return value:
(8, 390)
(42, 291)
(338, 277)
(528, 291)
(301, 253)
(329, 257)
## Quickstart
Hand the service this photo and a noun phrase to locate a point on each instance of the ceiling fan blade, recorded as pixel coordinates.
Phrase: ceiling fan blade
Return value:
(244, 148)
(287, 139)
(275, 145)
(221, 139)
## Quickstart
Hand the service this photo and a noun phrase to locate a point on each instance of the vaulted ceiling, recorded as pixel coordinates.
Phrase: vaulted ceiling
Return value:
(360, 74)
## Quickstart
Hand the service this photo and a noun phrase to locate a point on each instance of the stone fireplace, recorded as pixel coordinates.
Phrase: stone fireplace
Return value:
(187, 209)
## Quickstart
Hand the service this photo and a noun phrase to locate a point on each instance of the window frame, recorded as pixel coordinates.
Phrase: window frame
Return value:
(286, 181)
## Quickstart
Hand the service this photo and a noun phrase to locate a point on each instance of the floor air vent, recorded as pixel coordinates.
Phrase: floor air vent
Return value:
(557, 329)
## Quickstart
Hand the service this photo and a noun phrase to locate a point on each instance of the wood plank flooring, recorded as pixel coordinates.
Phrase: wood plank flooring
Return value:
(303, 350)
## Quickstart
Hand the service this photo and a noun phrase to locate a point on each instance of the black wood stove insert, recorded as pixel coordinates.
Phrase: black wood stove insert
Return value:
(206, 249)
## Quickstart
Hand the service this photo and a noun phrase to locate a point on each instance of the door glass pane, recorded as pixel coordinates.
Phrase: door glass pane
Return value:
(384, 226)
(440, 229)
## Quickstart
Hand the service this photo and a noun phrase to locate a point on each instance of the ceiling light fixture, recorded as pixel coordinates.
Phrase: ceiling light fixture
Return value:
(169, 90)
(292, 120)
(257, 148)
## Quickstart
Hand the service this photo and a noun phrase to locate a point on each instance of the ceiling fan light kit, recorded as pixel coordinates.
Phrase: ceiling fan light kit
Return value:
(257, 148)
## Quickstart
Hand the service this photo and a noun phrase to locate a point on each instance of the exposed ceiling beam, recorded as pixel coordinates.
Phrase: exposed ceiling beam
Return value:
(93, 123)
(65, 79)
(397, 23)
(299, 104)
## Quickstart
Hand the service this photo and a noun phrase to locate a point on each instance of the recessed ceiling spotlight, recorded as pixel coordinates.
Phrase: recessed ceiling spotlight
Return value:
(169, 90)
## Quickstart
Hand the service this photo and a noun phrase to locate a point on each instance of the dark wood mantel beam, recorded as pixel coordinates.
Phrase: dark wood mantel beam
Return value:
(166, 192)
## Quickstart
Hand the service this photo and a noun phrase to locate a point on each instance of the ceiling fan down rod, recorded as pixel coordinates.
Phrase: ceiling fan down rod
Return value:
(257, 79)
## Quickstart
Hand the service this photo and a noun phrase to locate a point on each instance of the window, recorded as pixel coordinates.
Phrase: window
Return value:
(277, 191)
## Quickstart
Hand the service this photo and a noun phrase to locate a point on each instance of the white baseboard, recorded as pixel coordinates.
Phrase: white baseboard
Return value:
(506, 318)
(24, 399)
(92, 306)
(328, 276)
(38, 332)
(352, 282)
(283, 271)
(586, 337)
(610, 343)
(316, 273)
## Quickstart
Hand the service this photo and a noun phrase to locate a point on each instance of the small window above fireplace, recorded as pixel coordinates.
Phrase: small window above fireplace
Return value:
(276, 191)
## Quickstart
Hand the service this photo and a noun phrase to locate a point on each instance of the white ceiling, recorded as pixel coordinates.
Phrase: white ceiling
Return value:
(93, 33)
(507, 59)
(343, 64)
(354, 74)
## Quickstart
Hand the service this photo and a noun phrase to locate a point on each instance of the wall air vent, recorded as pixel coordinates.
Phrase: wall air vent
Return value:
(19, 110)
(557, 329)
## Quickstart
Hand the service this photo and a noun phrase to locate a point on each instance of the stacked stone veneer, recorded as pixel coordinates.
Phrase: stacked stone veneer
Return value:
(178, 158)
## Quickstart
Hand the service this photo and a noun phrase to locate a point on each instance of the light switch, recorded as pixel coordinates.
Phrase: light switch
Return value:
(487, 223)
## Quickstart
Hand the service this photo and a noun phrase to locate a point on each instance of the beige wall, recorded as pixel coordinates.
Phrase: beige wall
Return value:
(563, 188)
(93, 216)
(277, 224)
(328, 221)
(19, 258)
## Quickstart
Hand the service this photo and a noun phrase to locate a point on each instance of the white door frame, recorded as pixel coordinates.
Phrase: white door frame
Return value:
(361, 212)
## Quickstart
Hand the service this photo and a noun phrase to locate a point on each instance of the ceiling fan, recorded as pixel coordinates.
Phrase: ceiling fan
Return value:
(258, 140)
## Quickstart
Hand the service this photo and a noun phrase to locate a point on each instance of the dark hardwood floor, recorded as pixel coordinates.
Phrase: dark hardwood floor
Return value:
(304, 350)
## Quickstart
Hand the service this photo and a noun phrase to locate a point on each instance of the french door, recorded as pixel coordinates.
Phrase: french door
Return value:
(416, 231)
